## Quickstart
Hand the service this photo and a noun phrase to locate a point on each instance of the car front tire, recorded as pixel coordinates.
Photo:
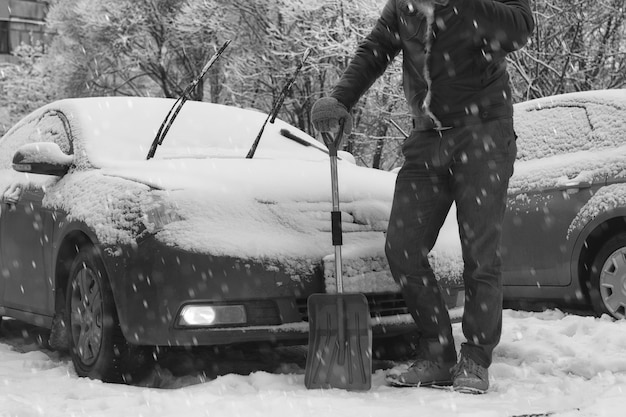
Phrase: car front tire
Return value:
(97, 346)
(608, 278)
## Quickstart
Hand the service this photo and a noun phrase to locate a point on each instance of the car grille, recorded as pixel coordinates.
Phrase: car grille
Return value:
(262, 313)
(380, 305)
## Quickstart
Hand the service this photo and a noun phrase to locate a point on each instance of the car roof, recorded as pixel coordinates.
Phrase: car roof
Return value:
(616, 97)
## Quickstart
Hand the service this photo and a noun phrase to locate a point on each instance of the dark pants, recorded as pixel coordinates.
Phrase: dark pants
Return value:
(471, 166)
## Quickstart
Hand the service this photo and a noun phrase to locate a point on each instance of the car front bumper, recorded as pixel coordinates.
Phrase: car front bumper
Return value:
(153, 283)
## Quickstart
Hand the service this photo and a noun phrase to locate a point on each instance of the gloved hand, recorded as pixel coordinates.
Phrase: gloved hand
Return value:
(327, 114)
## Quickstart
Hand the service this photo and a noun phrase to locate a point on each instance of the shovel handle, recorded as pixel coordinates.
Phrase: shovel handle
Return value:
(332, 143)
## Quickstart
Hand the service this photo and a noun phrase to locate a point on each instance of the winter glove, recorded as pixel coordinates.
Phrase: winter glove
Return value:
(327, 113)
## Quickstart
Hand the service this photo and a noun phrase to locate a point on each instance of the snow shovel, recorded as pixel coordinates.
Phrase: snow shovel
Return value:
(340, 333)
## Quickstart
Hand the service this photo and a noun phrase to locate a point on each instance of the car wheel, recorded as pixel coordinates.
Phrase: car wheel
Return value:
(97, 346)
(608, 278)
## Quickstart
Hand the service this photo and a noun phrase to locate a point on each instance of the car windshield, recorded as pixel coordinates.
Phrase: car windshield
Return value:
(120, 129)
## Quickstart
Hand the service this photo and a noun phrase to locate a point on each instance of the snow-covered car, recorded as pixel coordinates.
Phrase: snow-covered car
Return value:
(564, 235)
(197, 246)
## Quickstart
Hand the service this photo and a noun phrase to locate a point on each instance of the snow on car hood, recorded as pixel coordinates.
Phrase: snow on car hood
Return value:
(261, 179)
(273, 211)
(260, 208)
(281, 210)
(276, 211)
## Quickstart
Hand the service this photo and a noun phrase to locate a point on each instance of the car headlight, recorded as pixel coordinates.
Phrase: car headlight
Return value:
(203, 315)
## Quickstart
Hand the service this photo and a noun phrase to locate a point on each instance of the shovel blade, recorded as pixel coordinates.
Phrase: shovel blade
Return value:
(340, 342)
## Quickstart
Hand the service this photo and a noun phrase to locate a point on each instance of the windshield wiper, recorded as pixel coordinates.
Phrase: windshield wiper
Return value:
(271, 117)
(178, 104)
(286, 133)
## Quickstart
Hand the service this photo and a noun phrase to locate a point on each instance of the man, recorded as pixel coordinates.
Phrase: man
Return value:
(462, 149)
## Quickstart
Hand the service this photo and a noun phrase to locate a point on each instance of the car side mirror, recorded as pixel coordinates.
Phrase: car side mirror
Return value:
(42, 158)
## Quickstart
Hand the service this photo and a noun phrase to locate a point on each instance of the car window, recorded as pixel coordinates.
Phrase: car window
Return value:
(608, 124)
(47, 127)
(552, 131)
(566, 127)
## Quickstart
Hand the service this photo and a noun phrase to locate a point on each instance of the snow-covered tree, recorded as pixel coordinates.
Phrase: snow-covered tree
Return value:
(130, 47)
(23, 85)
(577, 46)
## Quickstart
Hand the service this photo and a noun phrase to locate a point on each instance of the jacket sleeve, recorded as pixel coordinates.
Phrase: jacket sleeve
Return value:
(371, 58)
(507, 22)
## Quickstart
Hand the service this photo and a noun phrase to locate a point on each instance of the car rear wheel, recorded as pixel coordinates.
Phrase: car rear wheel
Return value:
(608, 278)
(97, 346)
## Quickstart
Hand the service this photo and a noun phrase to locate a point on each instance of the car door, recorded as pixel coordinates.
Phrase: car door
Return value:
(26, 273)
(535, 229)
(534, 242)
(23, 244)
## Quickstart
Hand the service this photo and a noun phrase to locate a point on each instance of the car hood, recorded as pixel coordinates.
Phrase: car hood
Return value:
(272, 211)
(299, 180)
(258, 208)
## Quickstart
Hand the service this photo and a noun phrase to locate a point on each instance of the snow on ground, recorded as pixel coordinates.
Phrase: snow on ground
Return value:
(570, 365)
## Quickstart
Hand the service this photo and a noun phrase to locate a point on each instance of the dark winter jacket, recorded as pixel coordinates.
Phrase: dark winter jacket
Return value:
(454, 67)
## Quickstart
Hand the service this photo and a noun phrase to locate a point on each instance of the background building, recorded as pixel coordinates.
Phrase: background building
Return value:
(21, 21)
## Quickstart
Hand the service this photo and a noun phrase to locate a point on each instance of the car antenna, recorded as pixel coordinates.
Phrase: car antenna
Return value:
(178, 104)
(271, 117)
